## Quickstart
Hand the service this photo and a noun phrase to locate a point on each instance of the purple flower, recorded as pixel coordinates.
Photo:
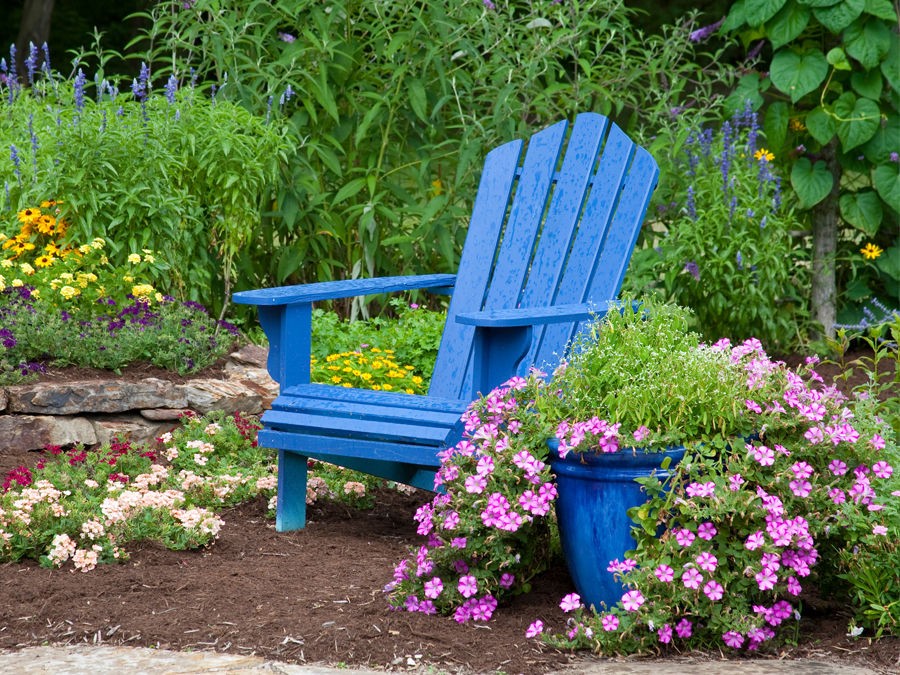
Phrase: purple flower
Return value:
(713, 590)
(286, 37)
(684, 628)
(489, 5)
(664, 573)
(31, 62)
(692, 268)
(665, 634)
(80, 80)
(610, 622)
(14, 156)
(691, 578)
(467, 586)
(171, 88)
(702, 34)
(733, 639)
(433, 588)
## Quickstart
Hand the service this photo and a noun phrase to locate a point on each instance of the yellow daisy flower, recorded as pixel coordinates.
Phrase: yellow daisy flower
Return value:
(763, 154)
(44, 260)
(28, 215)
(45, 224)
(52, 249)
(871, 251)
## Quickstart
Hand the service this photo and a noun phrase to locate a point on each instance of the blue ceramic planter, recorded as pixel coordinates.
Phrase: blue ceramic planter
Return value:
(595, 493)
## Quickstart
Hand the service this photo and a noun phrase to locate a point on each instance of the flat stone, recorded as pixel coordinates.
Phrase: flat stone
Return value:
(254, 379)
(162, 414)
(33, 432)
(93, 396)
(4, 399)
(251, 355)
(204, 396)
(129, 427)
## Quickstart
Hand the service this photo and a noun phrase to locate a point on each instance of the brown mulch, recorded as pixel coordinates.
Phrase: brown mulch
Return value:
(315, 596)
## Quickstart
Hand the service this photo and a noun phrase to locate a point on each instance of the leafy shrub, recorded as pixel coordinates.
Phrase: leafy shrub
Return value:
(402, 104)
(729, 251)
(177, 172)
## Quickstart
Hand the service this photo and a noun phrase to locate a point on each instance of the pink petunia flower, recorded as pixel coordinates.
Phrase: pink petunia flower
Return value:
(467, 586)
(570, 602)
(733, 639)
(684, 628)
(707, 531)
(882, 469)
(610, 622)
(684, 537)
(535, 629)
(691, 578)
(707, 561)
(713, 590)
(665, 634)
(632, 600)
(664, 573)
(837, 467)
(879, 530)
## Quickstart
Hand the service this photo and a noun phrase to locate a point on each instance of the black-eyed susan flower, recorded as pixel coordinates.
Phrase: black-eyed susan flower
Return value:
(44, 260)
(46, 224)
(871, 251)
(28, 215)
(763, 154)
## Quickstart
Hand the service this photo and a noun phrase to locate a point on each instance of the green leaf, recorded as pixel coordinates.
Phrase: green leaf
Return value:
(883, 9)
(868, 41)
(819, 3)
(862, 210)
(837, 57)
(797, 74)
(886, 179)
(820, 125)
(747, 90)
(837, 17)
(890, 67)
(868, 84)
(737, 17)
(889, 262)
(885, 141)
(418, 99)
(350, 189)
(856, 120)
(757, 12)
(776, 126)
(811, 182)
(788, 24)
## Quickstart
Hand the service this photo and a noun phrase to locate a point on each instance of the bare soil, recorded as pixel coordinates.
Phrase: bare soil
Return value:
(315, 595)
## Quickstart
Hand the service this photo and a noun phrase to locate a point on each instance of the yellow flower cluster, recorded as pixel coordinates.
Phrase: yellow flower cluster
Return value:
(367, 369)
(40, 233)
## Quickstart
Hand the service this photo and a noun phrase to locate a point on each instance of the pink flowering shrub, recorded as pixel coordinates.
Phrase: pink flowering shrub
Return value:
(488, 532)
(785, 483)
(84, 506)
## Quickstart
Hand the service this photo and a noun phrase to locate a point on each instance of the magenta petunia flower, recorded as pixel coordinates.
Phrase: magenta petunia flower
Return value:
(632, 600)
(691, 578)
(754, 541)
(535, 629)
(684, 628)
(882, 469)
(707, 561)
(467, 586)
(433, 588)
(665, 634)
(664, 573)
(707, 531)
(684, 537)
(610, 622)
(713, 590)
(733, 639)
(570, 602)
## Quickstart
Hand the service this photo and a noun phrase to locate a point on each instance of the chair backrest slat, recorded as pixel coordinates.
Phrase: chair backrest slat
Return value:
(542, 235)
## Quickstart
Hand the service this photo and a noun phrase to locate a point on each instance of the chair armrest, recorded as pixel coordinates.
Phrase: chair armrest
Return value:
(529, 316)
(330, 290)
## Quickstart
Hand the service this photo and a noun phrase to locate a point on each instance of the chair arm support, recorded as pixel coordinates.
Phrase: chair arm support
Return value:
(331, 290)
(529, 316)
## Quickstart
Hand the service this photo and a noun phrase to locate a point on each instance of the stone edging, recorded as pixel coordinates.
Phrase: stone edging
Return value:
(92, 412)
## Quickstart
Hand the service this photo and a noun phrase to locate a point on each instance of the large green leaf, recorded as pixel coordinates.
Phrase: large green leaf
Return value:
(889, 262)
(747, 90)
(819, 3)
(862, 210)
(886, 179)
(737, 17)
(788, 24)
(820, 125)
(776, 126)
(868, 41)
(811, 182)
(867, 83)
(797, 74)
(885, 141)
(856, 120)
(883, 9)
(837, 17)
(757, 12)
(890, 67)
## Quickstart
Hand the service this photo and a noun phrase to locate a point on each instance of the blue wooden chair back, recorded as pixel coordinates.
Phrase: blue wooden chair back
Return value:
(557, 230)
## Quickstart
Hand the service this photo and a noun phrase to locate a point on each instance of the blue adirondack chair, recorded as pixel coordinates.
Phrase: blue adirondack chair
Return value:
(548, 243)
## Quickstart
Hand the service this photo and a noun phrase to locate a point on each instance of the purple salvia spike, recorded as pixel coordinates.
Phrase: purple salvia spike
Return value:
(171, 88)
(80, 80)
(31, 62)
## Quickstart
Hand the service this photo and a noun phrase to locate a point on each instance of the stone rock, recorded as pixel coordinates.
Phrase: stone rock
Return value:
(4, 399)
(129, 427)
(162, 414)
(93, 396)
(204, 396)
(257, 380)
(251, 355)
(33, 432)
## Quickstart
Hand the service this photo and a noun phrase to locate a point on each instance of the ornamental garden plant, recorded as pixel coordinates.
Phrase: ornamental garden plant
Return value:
(785, 485)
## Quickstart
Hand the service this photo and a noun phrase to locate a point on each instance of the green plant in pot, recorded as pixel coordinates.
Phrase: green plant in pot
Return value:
(638, 391)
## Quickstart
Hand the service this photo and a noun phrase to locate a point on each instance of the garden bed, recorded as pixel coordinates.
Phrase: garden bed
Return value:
(315, 596)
